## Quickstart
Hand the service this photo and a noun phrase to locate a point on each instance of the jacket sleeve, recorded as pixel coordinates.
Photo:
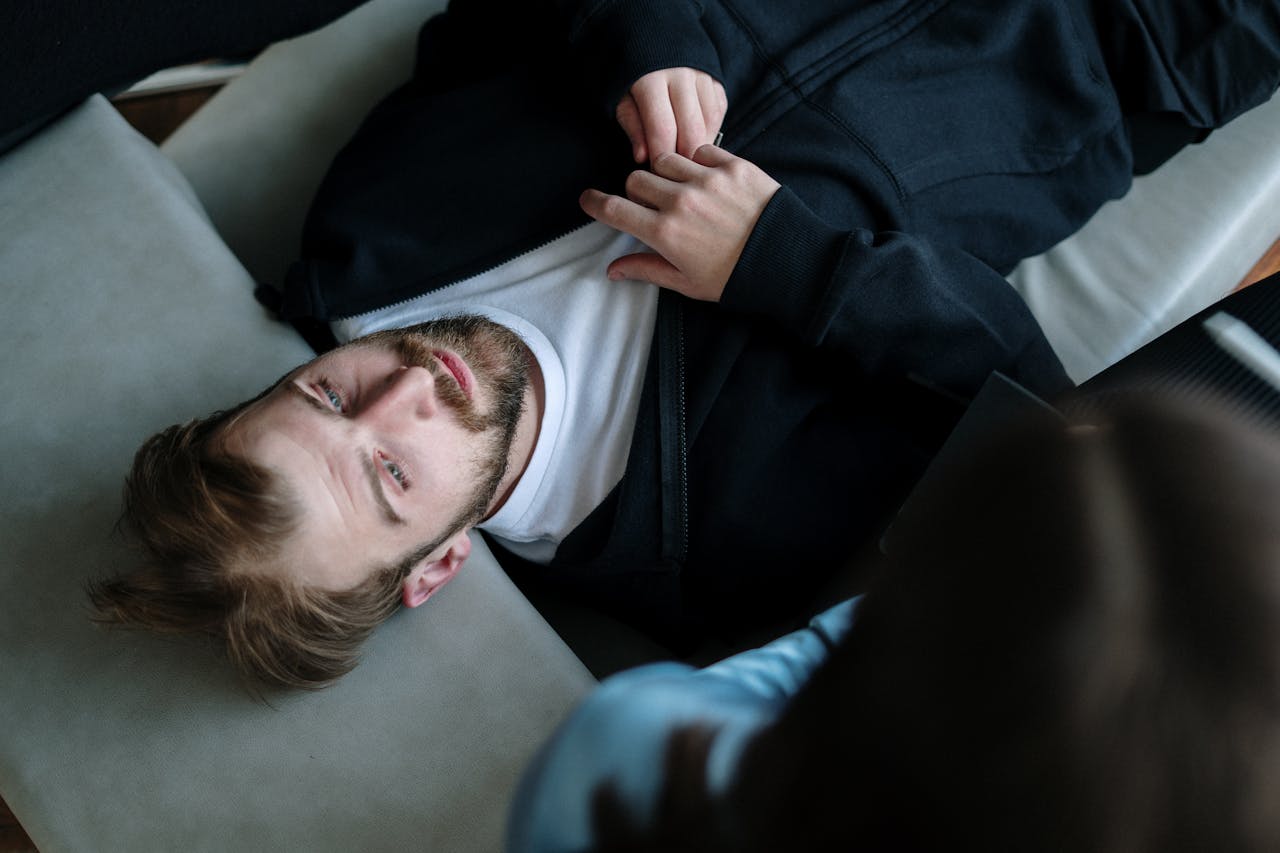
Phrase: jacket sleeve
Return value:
(891, 302)
(616, 42)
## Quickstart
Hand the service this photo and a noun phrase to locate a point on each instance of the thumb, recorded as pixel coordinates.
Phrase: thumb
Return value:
(650, 267)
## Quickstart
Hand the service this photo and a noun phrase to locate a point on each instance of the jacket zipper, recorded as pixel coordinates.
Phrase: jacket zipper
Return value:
(682, 443)
(672, 499)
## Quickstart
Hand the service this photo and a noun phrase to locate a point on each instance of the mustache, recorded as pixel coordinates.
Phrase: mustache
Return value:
(417, 354)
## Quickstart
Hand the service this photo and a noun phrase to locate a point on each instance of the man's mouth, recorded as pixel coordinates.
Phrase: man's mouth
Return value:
(457, 369)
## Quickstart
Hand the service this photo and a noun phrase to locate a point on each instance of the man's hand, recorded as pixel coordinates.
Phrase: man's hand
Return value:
(696, 213)
(675, 109)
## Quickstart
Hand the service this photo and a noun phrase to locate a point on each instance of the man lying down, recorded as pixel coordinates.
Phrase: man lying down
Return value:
(691, 404)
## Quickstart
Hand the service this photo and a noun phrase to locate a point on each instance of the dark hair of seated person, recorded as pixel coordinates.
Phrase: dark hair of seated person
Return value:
(1082, 654)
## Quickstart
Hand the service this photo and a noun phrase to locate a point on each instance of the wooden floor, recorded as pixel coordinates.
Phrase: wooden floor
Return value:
(12, 838)
(157, 116)
(1268, 265)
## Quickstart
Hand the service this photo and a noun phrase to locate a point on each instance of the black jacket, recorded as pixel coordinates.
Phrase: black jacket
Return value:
(924, 147)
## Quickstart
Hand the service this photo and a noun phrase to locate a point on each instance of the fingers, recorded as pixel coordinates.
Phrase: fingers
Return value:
(691, 127)
(714, 104)
(651, 190)
(617, 212)
(712, 157)
(696, 214)
(680, 169)
(675, 167)
(658, 189)
(650, 267)
(639, 222)
(671, 110)
(653, 100)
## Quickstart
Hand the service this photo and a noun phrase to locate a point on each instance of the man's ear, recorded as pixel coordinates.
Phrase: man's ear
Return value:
(431, 574)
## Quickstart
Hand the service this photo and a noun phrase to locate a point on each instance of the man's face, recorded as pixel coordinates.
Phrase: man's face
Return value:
(391, 443)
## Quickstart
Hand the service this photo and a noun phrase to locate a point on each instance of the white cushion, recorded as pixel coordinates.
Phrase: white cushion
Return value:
(1181, 239)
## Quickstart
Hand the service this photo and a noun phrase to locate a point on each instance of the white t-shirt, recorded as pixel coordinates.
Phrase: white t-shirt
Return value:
(591, 339)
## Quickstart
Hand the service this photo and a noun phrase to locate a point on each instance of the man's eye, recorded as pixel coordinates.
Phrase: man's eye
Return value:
(334, 398)
(394, 470)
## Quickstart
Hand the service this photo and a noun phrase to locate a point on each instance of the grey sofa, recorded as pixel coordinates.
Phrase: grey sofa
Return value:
(123, 310)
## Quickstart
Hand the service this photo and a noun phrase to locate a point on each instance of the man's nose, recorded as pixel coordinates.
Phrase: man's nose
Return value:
(410, 392)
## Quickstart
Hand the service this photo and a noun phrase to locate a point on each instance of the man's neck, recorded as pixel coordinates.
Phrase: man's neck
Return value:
(526, 436)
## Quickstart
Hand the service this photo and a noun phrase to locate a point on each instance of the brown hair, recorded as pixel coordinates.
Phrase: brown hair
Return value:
(1080, 650)
(205, 520)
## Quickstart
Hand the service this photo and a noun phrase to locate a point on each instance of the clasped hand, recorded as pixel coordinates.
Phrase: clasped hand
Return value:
(699, 204)
(695, 213)
(674, 109)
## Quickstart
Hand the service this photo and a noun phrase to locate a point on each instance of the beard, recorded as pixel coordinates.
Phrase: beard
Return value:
(499, 361)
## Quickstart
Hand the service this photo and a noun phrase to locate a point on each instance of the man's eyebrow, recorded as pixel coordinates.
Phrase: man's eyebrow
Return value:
(371, 471)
